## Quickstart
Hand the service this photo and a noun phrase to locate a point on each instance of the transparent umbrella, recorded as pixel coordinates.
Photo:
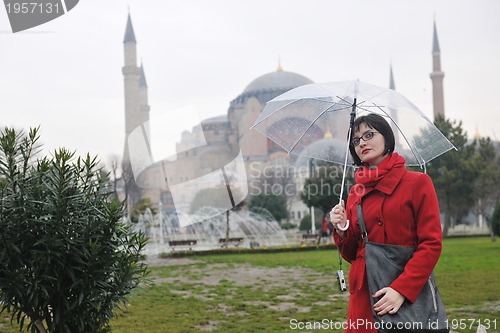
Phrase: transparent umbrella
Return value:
(301, 116)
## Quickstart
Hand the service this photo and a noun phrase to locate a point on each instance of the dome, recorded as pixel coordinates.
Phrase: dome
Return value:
(278, 80)
(270, 85)
(215, 120)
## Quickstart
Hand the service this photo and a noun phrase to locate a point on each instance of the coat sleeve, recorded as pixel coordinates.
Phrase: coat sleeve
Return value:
(347, 245)
(429, 240)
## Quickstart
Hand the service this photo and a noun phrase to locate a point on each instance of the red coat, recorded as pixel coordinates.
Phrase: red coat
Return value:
(401, 209)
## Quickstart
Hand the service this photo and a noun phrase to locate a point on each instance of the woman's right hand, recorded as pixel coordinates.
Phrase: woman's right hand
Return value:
(338, 217)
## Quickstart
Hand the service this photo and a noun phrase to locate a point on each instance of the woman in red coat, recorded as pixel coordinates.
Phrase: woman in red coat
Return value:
(400, 207)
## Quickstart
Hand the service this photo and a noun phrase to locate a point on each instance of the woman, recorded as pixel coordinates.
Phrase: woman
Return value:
(400, 207)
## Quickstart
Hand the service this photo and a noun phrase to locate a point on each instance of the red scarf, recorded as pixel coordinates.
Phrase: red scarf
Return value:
(368, 177)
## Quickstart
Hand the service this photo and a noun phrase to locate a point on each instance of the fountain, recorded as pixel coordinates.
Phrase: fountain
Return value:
(253, 228)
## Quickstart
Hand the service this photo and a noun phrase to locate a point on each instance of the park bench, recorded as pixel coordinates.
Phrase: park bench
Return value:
(309, 238)
(236, 241)
(182, 243)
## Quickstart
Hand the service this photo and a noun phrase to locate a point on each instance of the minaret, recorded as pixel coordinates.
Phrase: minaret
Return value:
(391, 78)
(131, 77)
(393, 114)
(437, 77)
(143, 98)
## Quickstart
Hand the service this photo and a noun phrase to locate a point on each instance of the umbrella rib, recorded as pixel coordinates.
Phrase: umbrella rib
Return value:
(359, 105)
(376, 95)
(349, 104)
(284, 106)
(272, 113)
(310, 125)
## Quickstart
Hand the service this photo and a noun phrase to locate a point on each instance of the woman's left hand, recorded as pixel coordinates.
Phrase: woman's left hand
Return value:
(390, 303)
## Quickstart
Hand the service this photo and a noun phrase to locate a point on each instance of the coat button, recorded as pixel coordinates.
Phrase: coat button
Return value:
(382, 194)
(380, 222)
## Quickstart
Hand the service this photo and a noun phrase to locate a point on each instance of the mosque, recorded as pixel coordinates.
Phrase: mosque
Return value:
(230, 146)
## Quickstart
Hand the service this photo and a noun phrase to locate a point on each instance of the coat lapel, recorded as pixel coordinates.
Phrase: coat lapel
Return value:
(391, 180)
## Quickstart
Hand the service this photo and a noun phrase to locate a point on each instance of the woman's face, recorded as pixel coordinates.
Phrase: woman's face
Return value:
(370, 151)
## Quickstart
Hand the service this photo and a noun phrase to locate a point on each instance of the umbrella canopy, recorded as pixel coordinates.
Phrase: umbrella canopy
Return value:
(304, 115)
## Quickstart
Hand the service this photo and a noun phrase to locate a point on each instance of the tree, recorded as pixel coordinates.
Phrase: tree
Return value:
(140, 208)
(454, 173)
(276, 180)
(217, 197)
(114, 165)
(67, 259)
(495, 222)
(322, 190)
(486, 191)
(306, 222)
(132, 190)
(274, 203)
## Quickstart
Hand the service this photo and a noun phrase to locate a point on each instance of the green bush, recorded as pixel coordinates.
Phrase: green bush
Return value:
(305, 223)
(275, 204)
(67, 261)
(288, 226)
(141, 207)
(238, 250)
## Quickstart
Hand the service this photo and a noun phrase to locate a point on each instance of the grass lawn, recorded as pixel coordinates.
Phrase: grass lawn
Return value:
(279, 292)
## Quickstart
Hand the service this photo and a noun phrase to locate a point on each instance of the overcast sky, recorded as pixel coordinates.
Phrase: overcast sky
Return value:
(65, 75)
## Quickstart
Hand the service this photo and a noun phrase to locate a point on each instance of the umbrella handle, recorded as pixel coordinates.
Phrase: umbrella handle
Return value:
(351, 124)
(345, 165)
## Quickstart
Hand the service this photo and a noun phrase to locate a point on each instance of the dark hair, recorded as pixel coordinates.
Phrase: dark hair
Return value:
(378, 123)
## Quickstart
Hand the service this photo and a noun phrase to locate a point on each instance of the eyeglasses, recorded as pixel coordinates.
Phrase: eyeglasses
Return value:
(366, 136)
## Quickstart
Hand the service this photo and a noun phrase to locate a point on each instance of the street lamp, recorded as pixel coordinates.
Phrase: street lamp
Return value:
(160, 217)
(311, 210)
